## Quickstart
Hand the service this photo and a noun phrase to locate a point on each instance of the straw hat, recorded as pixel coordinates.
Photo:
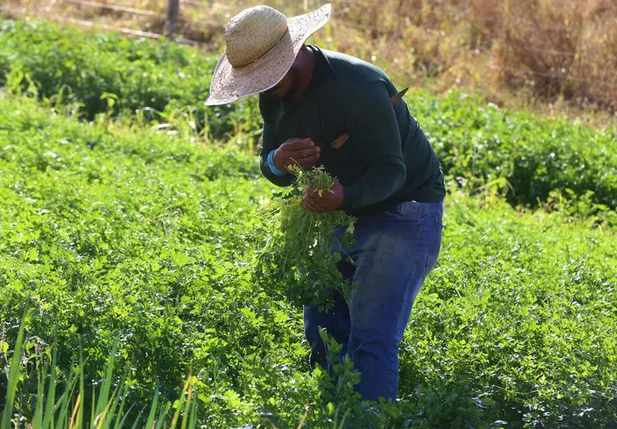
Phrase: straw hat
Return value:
(262, 45)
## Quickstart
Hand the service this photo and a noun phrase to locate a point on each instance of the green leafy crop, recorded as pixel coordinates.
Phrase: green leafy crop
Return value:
(109, 74)
(300, 253)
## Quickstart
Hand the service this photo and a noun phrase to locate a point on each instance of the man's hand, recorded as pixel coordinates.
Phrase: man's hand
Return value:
(296, 151)
(328, 201)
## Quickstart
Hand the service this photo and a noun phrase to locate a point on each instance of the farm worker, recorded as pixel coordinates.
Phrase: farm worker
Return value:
(388, 175)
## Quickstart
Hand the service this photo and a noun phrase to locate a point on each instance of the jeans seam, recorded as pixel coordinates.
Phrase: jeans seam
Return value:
(432, 244)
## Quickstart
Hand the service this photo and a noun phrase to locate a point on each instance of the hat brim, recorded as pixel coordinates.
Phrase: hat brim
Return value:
(229, 83)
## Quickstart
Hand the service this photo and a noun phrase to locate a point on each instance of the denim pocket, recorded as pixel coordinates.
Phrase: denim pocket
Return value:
(411, 210)
(395, 210)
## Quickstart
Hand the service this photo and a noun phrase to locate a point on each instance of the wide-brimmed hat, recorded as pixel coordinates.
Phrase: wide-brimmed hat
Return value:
(262, 45)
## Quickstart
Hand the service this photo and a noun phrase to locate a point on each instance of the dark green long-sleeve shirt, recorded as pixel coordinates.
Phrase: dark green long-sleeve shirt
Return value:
(387, 158)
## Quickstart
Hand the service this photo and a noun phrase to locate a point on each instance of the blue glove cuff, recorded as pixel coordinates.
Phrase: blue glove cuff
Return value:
(272, 166)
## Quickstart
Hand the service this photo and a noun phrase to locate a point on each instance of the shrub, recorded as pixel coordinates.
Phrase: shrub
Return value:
(107, 73)
(525, 155)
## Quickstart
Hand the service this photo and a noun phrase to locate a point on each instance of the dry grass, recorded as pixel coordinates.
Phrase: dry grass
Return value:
(553, 52)
(567, 51)
(544, 55)
(193, 23)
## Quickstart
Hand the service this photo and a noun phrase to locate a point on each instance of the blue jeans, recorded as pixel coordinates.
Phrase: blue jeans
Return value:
(392, 255)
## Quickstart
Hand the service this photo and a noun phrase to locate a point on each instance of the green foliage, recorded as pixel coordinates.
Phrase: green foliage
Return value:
(108, 410)
(510, 309)
(13, 376)
(518, 154)
(299, 254)
(113, 237)
(522, 155)
(107, 73)
(140, 243)
(145, 241)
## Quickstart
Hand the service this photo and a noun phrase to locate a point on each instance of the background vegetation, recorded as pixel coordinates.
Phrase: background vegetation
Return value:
(554, 57)
(525, 156)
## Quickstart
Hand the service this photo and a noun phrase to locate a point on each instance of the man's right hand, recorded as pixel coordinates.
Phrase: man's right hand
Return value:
(296, 151)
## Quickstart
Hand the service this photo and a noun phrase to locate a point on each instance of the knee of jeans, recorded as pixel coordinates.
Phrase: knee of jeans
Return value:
(374, 340)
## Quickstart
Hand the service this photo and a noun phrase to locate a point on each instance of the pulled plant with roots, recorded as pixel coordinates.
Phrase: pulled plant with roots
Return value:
(302, 248)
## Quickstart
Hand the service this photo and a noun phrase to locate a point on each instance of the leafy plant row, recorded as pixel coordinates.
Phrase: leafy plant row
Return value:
(522, 155)
(107, 73)
(125, 236)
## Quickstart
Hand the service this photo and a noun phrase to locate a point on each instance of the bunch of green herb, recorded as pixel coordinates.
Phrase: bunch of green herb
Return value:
(300, 256)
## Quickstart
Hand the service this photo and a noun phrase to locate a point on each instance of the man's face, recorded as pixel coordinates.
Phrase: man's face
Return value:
(287, 86)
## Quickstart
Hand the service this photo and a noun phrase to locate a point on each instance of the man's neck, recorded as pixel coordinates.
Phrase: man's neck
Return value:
(306, 58)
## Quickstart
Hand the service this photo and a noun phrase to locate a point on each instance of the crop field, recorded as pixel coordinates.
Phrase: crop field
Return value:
(132, 220)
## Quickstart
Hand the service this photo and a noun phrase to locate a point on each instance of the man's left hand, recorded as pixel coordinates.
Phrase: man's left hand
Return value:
(328, 201)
